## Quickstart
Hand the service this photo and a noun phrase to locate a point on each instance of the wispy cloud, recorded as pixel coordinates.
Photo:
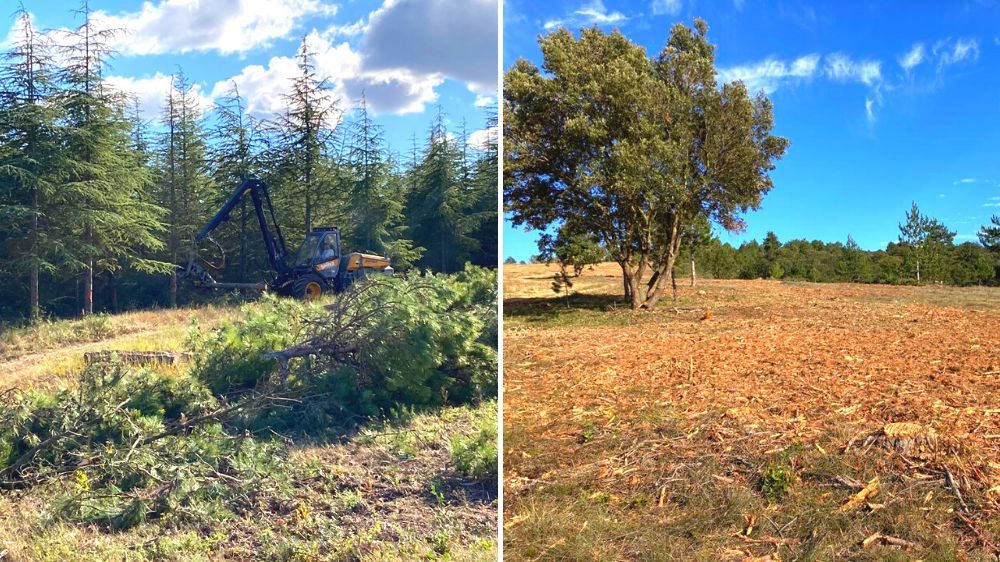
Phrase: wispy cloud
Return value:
(769, 74)
(967, 180)
(592, 13)
(952, 52)
(667, 7)
(842, 68)
(912, 58)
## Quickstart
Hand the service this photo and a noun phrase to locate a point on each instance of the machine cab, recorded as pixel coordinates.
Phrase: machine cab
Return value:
(321, 251)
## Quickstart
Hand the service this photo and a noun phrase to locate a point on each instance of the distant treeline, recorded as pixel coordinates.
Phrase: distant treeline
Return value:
(925, 253)
(98, 206)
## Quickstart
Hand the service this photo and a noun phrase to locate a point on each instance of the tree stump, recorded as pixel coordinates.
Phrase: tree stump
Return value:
(906, 438)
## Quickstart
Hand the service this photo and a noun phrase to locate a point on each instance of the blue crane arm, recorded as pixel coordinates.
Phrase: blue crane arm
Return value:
(274, 242)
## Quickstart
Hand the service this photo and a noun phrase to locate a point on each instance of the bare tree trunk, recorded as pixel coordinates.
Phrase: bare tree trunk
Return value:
(114, 292)
(88, 281)
(34, 311)
(693, 276)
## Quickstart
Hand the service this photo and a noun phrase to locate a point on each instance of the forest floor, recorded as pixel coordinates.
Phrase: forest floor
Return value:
(390, 490)
(750, 420)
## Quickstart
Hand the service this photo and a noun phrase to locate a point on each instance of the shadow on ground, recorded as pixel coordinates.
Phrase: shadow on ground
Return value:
(545, 308)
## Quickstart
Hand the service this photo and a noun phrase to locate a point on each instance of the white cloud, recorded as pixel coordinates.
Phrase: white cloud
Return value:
(454, 38)
(672, 7)
(483, 137)
(484, 101)
(768, 74)
(592, 13)
(226, 26)
(151, 93)
(347, 30)
(394, 91)
(842, 68)
(966, 180)
(869, 110)
(913, 57)
(386, 91)
(952, 52)
(991, 204)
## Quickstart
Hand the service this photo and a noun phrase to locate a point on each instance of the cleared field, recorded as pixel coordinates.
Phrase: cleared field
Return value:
(740, 420)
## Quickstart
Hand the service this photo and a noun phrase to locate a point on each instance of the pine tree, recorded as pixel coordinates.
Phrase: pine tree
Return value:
(373, 195)
(437, 206)
(114, 217)
(31, 160)
(989, 235)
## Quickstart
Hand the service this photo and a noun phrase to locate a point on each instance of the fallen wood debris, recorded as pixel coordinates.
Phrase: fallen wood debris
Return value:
(135, 357)
(857, 500)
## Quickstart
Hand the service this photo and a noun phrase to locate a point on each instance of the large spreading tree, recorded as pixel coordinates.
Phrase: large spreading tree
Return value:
(633, 149)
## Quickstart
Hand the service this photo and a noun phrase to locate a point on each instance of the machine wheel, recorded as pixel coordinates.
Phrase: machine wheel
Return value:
(308, 287)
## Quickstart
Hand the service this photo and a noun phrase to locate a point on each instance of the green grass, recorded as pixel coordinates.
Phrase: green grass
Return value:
(475, 455)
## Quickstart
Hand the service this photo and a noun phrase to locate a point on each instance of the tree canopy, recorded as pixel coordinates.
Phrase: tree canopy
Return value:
(632, 148)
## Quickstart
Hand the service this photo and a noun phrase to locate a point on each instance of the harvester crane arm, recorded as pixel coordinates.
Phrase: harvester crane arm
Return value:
(273, 242)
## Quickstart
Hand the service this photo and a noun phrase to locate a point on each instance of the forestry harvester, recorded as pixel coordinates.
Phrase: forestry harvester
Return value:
(316, 267)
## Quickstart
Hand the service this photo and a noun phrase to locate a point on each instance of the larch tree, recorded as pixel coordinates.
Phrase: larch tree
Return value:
(633, 148)
(116, 220)
(31, 160)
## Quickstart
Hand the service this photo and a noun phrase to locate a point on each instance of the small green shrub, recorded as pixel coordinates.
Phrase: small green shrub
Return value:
(475, 456)
(777, 480)
(778, 475)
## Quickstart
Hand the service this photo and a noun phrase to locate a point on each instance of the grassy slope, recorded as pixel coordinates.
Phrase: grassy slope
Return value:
(387, 492)
(655, 435)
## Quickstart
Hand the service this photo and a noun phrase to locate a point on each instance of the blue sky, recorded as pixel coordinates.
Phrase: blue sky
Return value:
(884, 103)
(405, 55)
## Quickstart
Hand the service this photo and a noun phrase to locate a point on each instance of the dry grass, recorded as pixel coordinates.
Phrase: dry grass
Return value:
(655, 434)
(50, 354)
